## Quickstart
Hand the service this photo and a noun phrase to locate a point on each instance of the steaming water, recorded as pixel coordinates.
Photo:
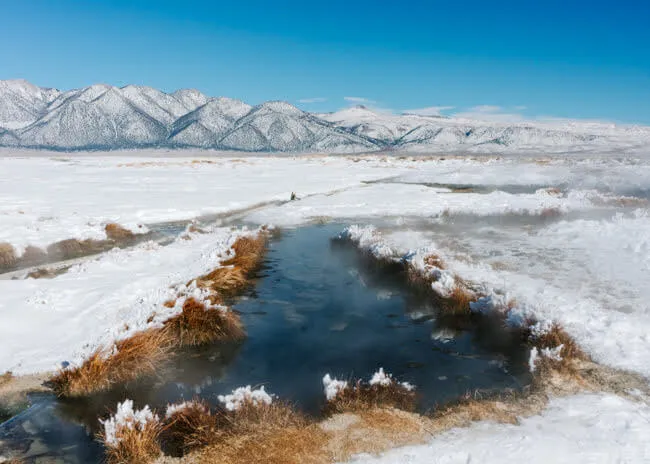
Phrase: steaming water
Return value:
(318, 307)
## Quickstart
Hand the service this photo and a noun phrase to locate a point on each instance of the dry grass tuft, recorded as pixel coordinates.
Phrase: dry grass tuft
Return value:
(47, 273)
(118, 233)
(254, 418)
(435, 261)
(136, 445)
(274, 433)
(249, 252)
(73, 248)
(191, 427)
(137, 356)
(7, 255)
(362, 397)
(33, 255)
(224, 280)
(457, 302)
(6, 378)
(292, 445)
(569, 354)
(198, 325)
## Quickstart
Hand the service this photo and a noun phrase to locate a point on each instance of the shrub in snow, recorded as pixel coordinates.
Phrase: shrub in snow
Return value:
(380, 391)
(131, 435)
(243, 396)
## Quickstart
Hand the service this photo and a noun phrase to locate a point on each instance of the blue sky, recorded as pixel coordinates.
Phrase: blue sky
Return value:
(508, 59)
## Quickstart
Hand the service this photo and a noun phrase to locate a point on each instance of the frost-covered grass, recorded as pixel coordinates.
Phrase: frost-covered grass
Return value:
(380, 391)
(199, 322)
(131, 436)
(139, 355)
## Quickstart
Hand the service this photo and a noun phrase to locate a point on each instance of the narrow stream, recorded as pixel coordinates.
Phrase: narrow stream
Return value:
(318, 306)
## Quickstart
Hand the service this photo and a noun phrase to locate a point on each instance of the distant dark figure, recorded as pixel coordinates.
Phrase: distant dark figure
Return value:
(293, 196)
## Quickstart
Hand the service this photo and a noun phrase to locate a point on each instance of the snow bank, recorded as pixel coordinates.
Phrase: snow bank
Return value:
(45, 322)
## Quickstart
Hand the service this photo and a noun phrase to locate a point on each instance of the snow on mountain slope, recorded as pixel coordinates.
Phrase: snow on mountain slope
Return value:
(160, 105)
(107, 117)
(107, 121)
(367, 123)
(21, 103)
(205, 126)
(190, 98)
(279, 126)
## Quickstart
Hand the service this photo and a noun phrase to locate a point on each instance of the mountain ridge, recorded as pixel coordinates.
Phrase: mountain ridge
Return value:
(106, 117)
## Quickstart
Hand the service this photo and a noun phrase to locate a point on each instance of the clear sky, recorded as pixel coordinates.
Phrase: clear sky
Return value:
(565, 59)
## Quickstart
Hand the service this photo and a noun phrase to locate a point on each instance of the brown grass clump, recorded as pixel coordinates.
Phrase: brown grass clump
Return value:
(269, 433)
(135, 446)
(224, 280)
(198, 325)
(362, 397)
(435, 261)
(570, 352)
(557, 336)
(33, 255)
(134, 357)
(7, 255)
(292, 445)
(457, 302)
(249, 252)
(235, 276)
(134, 441)
(190, 427)
(6, 378)
(118, 233)
(73, 248)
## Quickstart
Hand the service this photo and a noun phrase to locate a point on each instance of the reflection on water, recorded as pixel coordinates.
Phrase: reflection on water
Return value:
(317, 307)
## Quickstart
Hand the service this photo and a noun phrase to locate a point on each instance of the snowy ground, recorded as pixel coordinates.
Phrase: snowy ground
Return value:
(568, 238)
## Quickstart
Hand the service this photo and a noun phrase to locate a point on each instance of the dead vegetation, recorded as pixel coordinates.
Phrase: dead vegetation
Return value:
(361, 396)
(190, 427)
(199, 325)
(269, 433)
(434, 261)
(137, 356)
(47, 273)
(134, 444)
(118, 233)
(8, 256)
(6, 378)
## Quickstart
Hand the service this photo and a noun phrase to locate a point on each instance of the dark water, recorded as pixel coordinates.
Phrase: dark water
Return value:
(318, 307)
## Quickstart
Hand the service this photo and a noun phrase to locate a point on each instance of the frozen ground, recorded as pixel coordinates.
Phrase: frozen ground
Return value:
(567, 238)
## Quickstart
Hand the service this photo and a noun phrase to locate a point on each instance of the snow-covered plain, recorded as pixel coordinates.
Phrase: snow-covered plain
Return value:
(568, 238)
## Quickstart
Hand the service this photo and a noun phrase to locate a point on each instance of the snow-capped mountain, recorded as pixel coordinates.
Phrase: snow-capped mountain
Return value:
(105, 117)
(22, 103)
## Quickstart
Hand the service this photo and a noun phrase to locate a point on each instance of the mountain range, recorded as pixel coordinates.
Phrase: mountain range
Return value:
(104, 117)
